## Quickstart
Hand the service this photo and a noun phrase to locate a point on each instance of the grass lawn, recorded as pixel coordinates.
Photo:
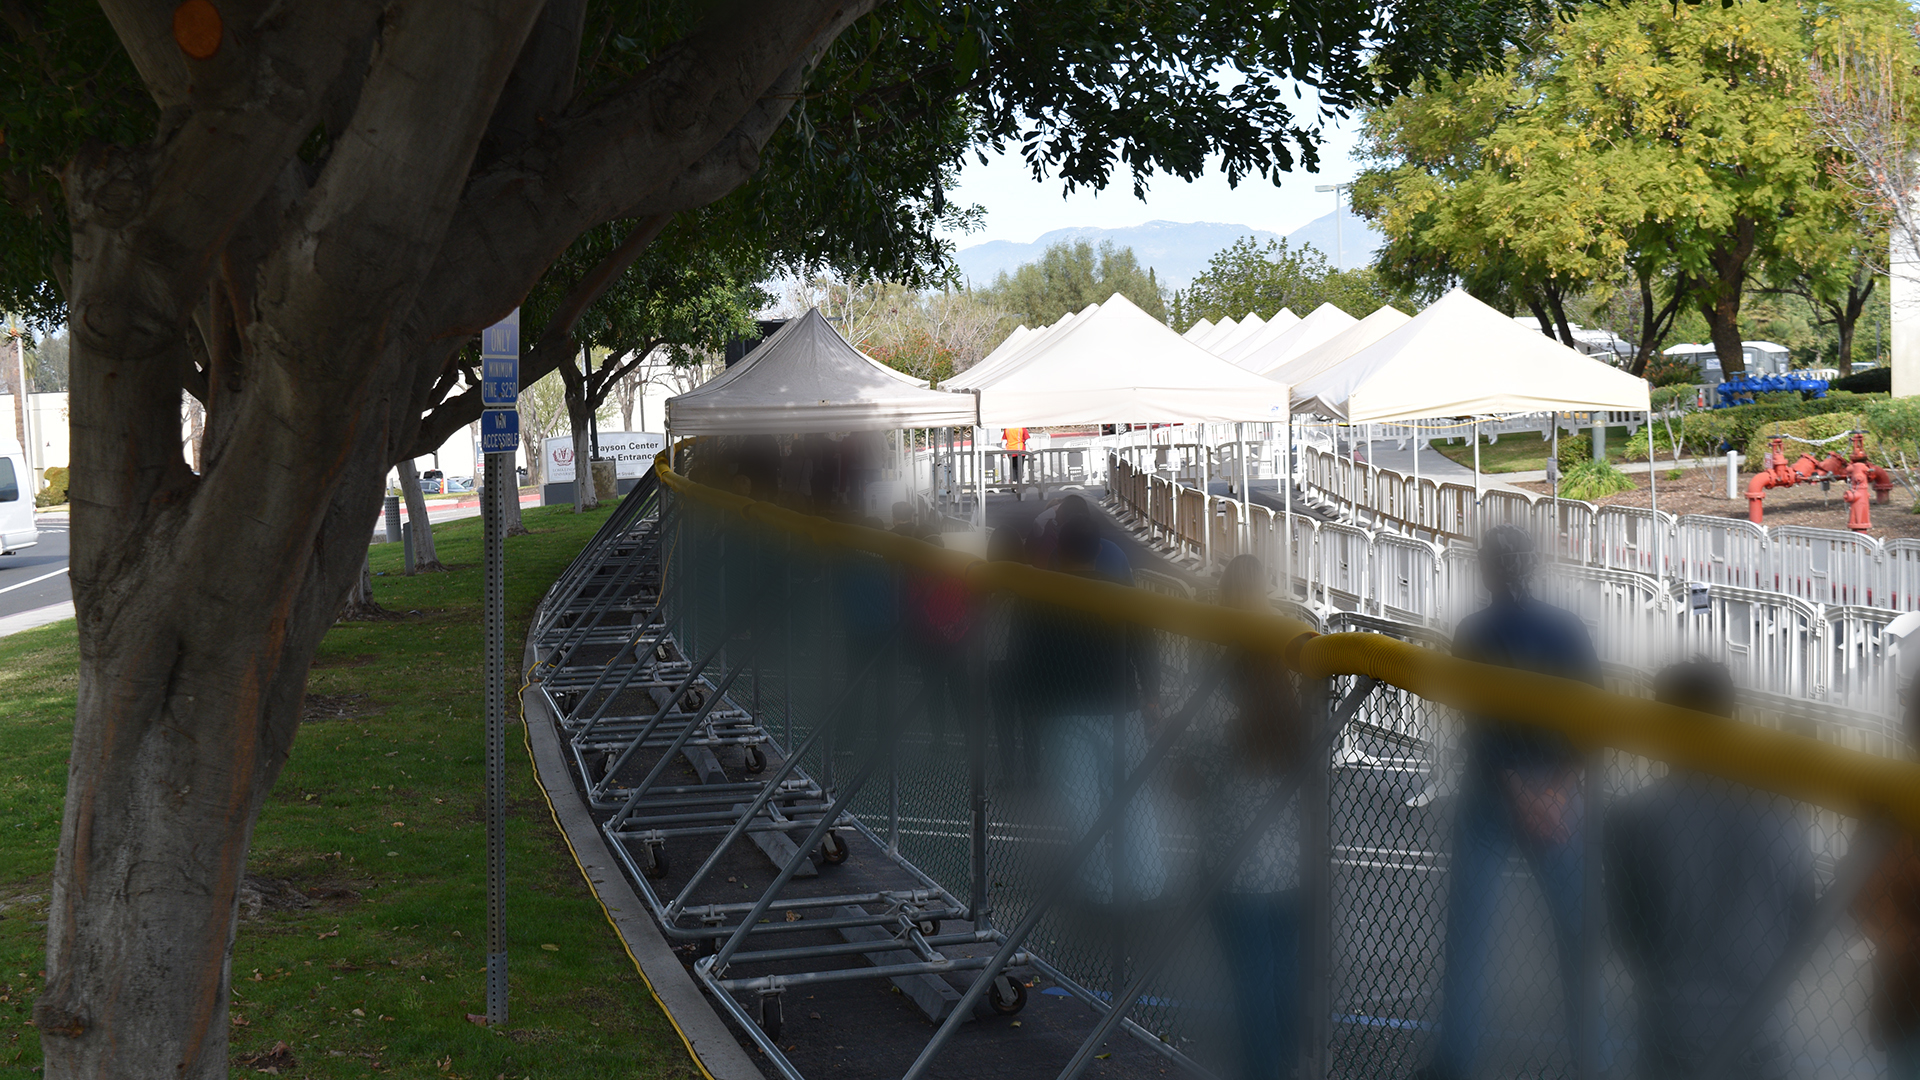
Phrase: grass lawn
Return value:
(368, 948)
(1523, 451)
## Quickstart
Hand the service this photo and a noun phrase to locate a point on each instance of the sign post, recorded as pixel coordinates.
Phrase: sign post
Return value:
(499, 435)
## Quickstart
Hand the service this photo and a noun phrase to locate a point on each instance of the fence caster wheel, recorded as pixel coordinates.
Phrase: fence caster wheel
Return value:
(1007, 995)
(833, 850)
(927, 927)
(756, 760)
(657, 862)
(770, 1016)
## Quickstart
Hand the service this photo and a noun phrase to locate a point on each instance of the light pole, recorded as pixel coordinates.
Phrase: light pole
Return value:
(1339, 248)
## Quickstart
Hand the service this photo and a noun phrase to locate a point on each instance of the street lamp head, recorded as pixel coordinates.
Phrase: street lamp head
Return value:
(1326, 187)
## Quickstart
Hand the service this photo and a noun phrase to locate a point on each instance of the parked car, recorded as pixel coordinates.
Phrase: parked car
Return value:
(429, 487)
(16, 499)
(457, 484)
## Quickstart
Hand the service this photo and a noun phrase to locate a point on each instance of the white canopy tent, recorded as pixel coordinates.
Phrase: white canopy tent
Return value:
(1010, 353)
(807, 379)
(1250, 327)
(1460, 357)
(1223, 334)
(1282, 323)
(1116, 364)
(1198, 330)
(1329, 353)
(1219, 330)
(1320, 324)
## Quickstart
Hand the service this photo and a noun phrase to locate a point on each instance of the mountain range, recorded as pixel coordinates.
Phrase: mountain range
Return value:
(1176, 250)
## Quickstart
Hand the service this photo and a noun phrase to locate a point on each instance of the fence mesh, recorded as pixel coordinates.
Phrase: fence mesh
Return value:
(1281, 876)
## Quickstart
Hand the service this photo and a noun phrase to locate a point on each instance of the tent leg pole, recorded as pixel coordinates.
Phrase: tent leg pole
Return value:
(1553, 478)
(1479, 519)
(1286, 539)
(979, 479)
(1246, 503)
(1653, 501)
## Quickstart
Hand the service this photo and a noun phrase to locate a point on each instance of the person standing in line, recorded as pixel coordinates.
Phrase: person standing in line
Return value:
(1521, 790)
(1245, 752)
(1888, 909)
(1707, 881)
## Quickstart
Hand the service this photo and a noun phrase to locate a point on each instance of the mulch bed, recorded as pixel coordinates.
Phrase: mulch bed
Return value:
(1704, 491)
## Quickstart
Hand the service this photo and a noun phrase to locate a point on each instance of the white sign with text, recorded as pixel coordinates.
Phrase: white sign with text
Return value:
(632, 453)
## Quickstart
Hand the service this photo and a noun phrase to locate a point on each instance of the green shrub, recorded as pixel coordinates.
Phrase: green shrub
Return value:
(1877, 380)
(56, 492)
(1711, 431)
(1637, 445)
(1593, 480)
(1665, 370)
(1812, 427)
(1574, 449)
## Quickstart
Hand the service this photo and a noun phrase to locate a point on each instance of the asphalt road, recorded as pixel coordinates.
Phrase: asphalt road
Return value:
(37, 576)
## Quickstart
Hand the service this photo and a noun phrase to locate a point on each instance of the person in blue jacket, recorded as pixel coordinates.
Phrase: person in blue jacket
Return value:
(1521, 790)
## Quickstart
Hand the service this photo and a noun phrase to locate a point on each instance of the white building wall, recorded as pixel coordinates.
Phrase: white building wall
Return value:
(1903, 296)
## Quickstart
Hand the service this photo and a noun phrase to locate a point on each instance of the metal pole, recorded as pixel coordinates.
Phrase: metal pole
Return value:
(1246, 505)
(1479, 525)
(495, 528)
(1286, 540)
(1653, 497)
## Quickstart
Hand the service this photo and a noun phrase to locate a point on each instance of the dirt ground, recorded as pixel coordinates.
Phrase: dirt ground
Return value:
(1703, 491)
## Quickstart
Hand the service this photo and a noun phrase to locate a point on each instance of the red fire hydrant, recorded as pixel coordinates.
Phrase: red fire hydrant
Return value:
(1859, 473)
(1859, 501)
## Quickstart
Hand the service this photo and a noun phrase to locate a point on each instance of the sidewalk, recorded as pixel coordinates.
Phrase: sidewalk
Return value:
(37, 617)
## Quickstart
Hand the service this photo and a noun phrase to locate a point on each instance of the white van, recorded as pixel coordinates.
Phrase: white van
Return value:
(16, 499)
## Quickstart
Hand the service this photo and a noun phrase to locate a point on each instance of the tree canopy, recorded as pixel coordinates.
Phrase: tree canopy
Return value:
(1070, 275)
(1263, 278)
(1645, 145)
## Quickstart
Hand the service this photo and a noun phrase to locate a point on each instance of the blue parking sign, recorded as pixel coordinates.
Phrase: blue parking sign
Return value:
(500, 362)
(499, 431)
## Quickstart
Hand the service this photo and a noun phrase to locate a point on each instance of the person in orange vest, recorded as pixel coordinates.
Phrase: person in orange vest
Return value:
(1016, 445)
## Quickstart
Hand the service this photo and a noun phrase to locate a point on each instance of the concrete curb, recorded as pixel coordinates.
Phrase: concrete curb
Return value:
(707, 1037)
(37, 617)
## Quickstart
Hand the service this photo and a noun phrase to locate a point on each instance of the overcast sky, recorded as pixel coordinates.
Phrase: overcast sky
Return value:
(1020, 208)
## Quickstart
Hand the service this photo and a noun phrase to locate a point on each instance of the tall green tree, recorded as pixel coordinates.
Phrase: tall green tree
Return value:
(1662, 147)
(1070, 275)
(1250, 277)
(301, 213)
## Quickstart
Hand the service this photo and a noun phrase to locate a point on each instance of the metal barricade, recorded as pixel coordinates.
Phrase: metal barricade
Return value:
(1406, 579)
(1859, 673)
(1626, 538)
(1772, 642)
(1722, 551)
(1628, 615)
(1342, 564)
(1826, 566)
(1901, 560)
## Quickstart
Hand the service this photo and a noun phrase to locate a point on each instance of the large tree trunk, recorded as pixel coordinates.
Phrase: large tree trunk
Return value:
(426, 558)
(579, 418)
(1655, 322)
(515, 526)
(1846, 319)
(1720, 303)
(324, 294)
(359, 604)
